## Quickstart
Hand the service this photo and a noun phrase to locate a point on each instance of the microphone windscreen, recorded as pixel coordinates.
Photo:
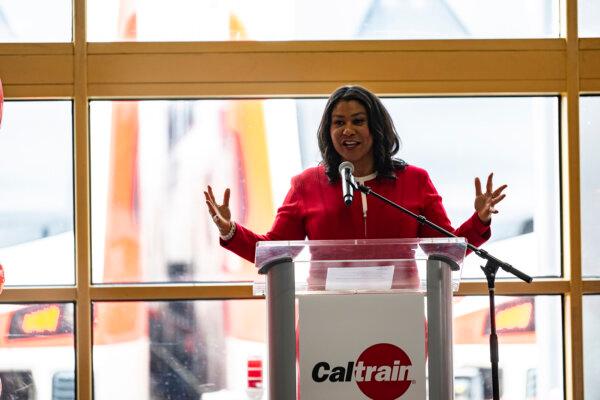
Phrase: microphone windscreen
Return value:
(344, 165)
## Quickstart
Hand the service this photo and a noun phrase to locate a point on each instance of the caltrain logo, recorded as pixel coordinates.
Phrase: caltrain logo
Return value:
(381, 372)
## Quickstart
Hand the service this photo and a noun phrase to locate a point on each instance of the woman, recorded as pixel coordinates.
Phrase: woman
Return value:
(356, 127)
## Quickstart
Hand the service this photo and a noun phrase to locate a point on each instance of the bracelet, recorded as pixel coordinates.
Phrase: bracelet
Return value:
(229, 234)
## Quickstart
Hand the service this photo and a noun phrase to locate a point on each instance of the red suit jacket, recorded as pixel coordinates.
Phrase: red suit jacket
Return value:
(313, 209)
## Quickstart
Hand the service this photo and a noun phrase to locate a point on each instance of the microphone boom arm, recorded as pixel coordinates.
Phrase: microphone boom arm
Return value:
(424, 221)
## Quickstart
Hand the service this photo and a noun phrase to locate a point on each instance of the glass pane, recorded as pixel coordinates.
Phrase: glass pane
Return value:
(517, 139)
(530, 348)
(151, 161)
(36, 206)
(37, 354)
(210, 20)
(589, 18)
(590, 184)
(35, 20)
(182, 349)
(591, 346)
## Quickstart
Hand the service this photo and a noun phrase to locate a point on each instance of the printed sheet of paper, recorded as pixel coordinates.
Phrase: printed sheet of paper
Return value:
(360, 278)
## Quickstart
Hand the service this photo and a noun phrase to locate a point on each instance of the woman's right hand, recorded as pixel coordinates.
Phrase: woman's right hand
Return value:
(220, 213)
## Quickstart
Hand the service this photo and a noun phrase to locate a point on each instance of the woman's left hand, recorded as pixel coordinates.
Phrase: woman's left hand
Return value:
(485, 202)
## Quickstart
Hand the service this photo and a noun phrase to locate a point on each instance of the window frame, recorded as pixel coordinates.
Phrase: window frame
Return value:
(80, 71)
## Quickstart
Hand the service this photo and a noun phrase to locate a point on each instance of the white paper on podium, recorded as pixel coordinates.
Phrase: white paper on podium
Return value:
(368, 278)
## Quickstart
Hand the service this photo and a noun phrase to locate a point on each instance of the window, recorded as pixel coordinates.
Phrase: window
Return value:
(529, 344)
(590, 184)
(591, 328)
(36, 207)
(37, 355)
(50, 22)
(183, 349)
(149, 173)
(589, 17)
(314, 20)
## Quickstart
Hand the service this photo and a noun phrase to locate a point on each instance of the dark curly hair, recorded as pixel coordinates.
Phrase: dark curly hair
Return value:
(386, 141)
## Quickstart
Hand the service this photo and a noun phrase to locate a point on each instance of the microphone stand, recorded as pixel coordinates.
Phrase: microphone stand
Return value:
(490, 270)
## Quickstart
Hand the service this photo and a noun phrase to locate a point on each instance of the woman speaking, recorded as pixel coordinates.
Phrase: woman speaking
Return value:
(356, 127)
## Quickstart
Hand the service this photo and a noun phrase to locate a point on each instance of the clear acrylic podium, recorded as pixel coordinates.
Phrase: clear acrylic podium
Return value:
(290, 268)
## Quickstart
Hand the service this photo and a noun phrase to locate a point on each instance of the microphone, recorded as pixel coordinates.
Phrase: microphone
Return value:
(346, 169)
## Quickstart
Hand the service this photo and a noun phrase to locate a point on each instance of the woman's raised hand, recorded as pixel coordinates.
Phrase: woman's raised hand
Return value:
(219, 213)
(485, 202)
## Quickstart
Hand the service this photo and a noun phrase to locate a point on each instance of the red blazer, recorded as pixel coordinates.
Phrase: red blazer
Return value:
(313, 209)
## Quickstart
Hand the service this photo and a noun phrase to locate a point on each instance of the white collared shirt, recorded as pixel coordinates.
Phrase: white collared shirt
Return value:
(361, 180)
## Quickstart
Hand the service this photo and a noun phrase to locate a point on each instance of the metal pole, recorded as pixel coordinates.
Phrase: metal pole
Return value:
(281, 331)
(490, 271)
(439, 322)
